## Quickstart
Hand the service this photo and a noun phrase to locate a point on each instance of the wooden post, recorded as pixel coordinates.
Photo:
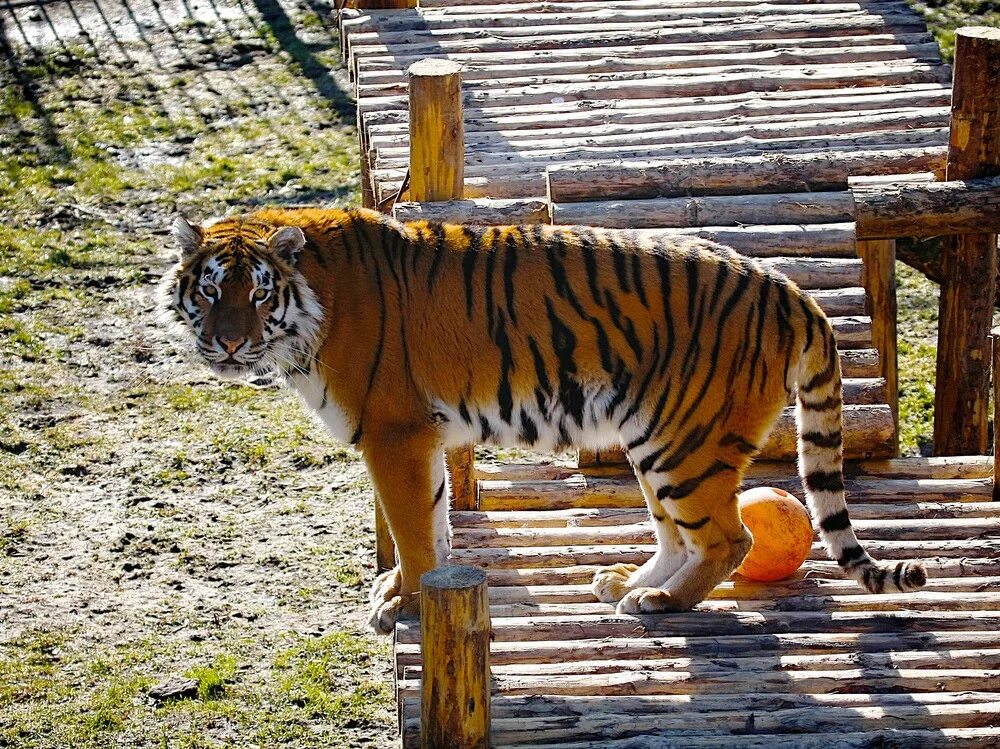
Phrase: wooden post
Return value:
(968, 287)
(437, 172)
(879, 279)
(455, 648)
(995, 343)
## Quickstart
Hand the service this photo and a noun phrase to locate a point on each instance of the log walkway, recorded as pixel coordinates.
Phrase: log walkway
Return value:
(753, 124)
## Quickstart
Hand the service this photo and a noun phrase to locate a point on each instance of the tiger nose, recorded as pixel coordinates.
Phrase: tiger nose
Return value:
(231, 344)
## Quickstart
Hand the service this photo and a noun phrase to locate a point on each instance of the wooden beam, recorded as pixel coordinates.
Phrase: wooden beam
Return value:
(455, 636)
(933, 209)
(961, 394)
(437, 172)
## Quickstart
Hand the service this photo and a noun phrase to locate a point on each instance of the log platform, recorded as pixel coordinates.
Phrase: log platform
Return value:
(806, 133)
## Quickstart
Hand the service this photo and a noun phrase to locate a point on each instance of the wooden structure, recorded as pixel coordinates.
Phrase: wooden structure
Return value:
(808, 134)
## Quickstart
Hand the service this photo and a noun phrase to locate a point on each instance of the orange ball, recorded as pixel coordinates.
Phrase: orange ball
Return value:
(782, 534)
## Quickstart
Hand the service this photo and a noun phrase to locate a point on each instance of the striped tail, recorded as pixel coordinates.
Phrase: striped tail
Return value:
(821, 463)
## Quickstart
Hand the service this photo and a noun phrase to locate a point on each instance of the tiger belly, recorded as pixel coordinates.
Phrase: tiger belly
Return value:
(544, 425)
(313, 392)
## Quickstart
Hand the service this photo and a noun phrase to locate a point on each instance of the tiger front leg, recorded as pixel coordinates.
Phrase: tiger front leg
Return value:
(709, 522)
(411, 486)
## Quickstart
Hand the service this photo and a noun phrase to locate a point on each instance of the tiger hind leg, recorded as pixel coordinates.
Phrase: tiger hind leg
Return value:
(613, 583)
(699, 498)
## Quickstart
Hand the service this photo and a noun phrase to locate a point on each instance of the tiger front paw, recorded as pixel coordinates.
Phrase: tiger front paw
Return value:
(386, 586)
(650, 601)
(385, 614)
(611, 583)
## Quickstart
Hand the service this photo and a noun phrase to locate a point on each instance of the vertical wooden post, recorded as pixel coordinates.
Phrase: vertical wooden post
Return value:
(437, 172)
(968, 287)
(995, 342)
(879, 279)
(455, 648)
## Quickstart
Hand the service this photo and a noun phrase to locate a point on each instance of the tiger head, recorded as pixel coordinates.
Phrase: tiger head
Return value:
(236, 288)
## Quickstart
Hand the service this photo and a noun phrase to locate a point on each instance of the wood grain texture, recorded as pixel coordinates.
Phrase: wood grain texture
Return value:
(455, 632)
(961, 395)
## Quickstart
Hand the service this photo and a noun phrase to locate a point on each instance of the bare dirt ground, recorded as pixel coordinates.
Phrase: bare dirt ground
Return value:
(155, 523)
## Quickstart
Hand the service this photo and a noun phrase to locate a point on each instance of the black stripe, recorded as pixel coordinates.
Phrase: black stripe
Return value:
(640, 288)
(686, 488)
(590, 265)
(825, 481)
(463, 411)
(833, 439)
(491, 261)
(439, 493)
(825, 377)
(663, 270)
(504, 396)
(486, 429)
(564, 346)
(834, 401)
(897, 575)
(691, 269)
(745, 446)
(693, 526)
(626, 326)
(851, 555)
(540, 371)
(509, 268)
(468, 268)
(621, 270)
(529, 430)
(839, 521)
(435, 269)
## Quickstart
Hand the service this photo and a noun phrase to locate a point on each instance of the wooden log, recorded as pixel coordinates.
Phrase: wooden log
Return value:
(383, 4)
(804, 172)
(392, 141)
(641, 532)
(961, 395)
(764, 241)
(455, 631)
(579, 491)
(689, 141)
(960, 467)
(502, 65)
(637, 649)
(565, 37)
(721, 210)
(694, 82)
(583, 574)
(927, 210)
(437, 159)
(775, 106)
(914, 517)
(386, 23)
(479, 211)
(704, 623)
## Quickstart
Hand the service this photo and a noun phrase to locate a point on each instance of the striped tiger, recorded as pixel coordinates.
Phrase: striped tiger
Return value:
(406, 339)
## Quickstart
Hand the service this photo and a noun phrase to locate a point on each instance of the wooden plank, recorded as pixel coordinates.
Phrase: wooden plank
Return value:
(720, 210)
(640, 649)
(604, 60)
(702, 623)
(565, 37)
(641, 532)
(489, 211)
(927, 209)
(597, 492)
(920, 514)
(384, 24)
(960, 467)
(768, 105)
(805, 172)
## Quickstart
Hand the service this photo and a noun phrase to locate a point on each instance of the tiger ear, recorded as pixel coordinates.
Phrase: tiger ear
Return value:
(188, 235)
(287, 242)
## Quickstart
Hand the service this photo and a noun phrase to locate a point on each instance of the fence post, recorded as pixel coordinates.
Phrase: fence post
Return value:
(968, 287)
(455, 648)
(437, 172)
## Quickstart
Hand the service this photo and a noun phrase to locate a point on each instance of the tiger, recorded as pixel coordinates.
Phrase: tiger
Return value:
(409, 338)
